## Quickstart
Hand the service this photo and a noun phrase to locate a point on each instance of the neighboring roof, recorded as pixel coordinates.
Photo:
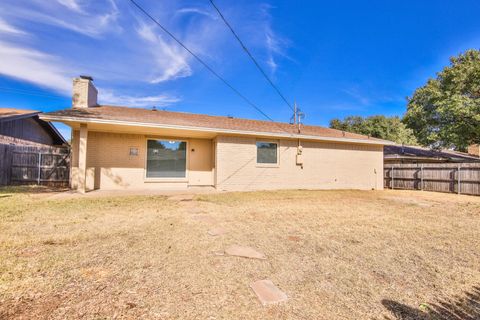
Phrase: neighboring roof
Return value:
(181, 120)
(397, 152)
(10, 114)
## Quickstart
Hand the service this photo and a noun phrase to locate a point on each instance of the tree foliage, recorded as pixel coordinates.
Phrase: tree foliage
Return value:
(388, 128)
(445, 112)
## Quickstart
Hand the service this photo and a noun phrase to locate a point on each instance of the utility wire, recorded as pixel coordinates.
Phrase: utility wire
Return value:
(203, 62)
(251, 56)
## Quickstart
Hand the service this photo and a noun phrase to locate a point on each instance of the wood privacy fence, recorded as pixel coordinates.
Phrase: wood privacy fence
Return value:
(461, 178)
(20, 164)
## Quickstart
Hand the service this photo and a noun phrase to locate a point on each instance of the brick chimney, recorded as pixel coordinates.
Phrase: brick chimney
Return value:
(84, 92)
(474, 150)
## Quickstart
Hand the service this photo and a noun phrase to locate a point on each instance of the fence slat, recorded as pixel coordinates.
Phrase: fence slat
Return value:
(27, 164)
(461, 178)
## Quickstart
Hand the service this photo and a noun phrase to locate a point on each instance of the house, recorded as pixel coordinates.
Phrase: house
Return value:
(131, 148)
(396, 154)
(24, 127)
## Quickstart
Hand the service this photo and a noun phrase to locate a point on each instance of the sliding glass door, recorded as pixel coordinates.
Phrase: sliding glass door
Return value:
(166, 159)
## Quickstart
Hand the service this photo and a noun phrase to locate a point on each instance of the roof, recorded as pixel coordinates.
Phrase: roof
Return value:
(182, 120)
(10, 114)
(397, 152)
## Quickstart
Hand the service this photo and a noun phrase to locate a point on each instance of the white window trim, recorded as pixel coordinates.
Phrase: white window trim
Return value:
(267, 165)
(166, 179)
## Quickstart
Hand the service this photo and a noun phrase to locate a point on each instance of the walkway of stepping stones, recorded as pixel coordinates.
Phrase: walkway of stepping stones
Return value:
(265, 290)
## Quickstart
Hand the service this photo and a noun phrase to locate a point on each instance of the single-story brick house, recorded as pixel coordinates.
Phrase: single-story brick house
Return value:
(131, 148)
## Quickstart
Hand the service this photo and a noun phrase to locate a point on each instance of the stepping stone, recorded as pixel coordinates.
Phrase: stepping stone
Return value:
(268, 293)
(217, 232)
(245, 252)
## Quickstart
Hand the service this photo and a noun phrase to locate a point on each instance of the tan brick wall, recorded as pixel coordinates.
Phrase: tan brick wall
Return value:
(110, 166)
(326, 166)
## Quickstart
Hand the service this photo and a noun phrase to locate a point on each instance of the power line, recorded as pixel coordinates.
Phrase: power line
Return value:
(251, 56)
(202, 62)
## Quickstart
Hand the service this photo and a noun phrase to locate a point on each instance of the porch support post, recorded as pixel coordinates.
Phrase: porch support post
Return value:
(82, 158)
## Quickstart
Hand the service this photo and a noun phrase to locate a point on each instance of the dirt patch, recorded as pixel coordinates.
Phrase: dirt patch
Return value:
(337, 254)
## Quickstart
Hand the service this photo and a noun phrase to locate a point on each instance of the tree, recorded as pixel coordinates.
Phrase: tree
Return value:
(445, 112)
(388, 128)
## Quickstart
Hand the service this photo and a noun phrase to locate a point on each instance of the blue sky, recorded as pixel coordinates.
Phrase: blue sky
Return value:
(335, 58)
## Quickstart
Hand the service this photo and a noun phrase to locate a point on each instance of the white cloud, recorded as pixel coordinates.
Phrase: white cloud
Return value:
(33, 66)
(274, 44)
(48, 71)
(355, 93)
(367, 96)
(109, 97)
(116, 45)
(68, 14)
(171, 59)
(71, 4)
(195, 11)
(5, 27)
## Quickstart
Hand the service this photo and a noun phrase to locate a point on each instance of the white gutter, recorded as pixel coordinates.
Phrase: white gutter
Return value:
(213, 130)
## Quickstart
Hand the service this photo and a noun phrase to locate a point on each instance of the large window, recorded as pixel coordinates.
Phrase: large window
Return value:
(267, 152)
(166, 159)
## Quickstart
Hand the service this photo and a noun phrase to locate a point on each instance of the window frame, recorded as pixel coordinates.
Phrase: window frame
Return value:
(267, 165)
(166, 179)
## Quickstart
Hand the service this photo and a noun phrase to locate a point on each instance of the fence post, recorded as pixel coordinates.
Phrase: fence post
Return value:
(458, 178)
(39, 167)
(391, 180)
(421, 177)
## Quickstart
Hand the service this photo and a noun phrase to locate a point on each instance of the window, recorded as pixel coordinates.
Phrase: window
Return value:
(166, 159)
(267, 152)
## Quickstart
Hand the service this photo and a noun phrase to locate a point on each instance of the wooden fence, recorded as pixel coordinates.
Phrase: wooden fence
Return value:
(462, 178)
(20, 164)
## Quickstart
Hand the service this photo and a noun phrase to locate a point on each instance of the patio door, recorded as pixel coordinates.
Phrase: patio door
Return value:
(166, 159)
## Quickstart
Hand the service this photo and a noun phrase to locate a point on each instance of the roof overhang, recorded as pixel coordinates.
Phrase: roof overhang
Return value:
(178, 130)
(17, 116)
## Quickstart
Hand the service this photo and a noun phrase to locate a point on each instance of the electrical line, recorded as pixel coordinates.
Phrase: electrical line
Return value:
(251, 56)
(202, 62)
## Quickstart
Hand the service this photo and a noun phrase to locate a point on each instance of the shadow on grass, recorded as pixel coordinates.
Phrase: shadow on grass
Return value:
(466, 307)
(29, 189)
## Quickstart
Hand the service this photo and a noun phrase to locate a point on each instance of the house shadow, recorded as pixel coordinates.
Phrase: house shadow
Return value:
(465, 307)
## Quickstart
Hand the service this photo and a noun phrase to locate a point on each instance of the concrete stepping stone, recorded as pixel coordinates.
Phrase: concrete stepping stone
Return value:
(246, 252)
(268, 293)
(216, 232)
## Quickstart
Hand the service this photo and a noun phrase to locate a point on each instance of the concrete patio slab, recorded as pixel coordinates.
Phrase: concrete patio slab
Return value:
(246, 252)
(268, 293)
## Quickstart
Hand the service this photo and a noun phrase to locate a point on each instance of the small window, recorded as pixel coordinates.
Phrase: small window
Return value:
(267, 152)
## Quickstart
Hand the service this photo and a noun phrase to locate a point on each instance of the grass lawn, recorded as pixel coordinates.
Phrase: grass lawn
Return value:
(336, 254)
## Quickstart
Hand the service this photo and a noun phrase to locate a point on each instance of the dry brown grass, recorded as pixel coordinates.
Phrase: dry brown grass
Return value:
(337, 254)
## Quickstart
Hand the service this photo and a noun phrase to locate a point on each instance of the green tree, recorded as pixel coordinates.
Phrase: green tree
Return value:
(445, 112)
(388, 128)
